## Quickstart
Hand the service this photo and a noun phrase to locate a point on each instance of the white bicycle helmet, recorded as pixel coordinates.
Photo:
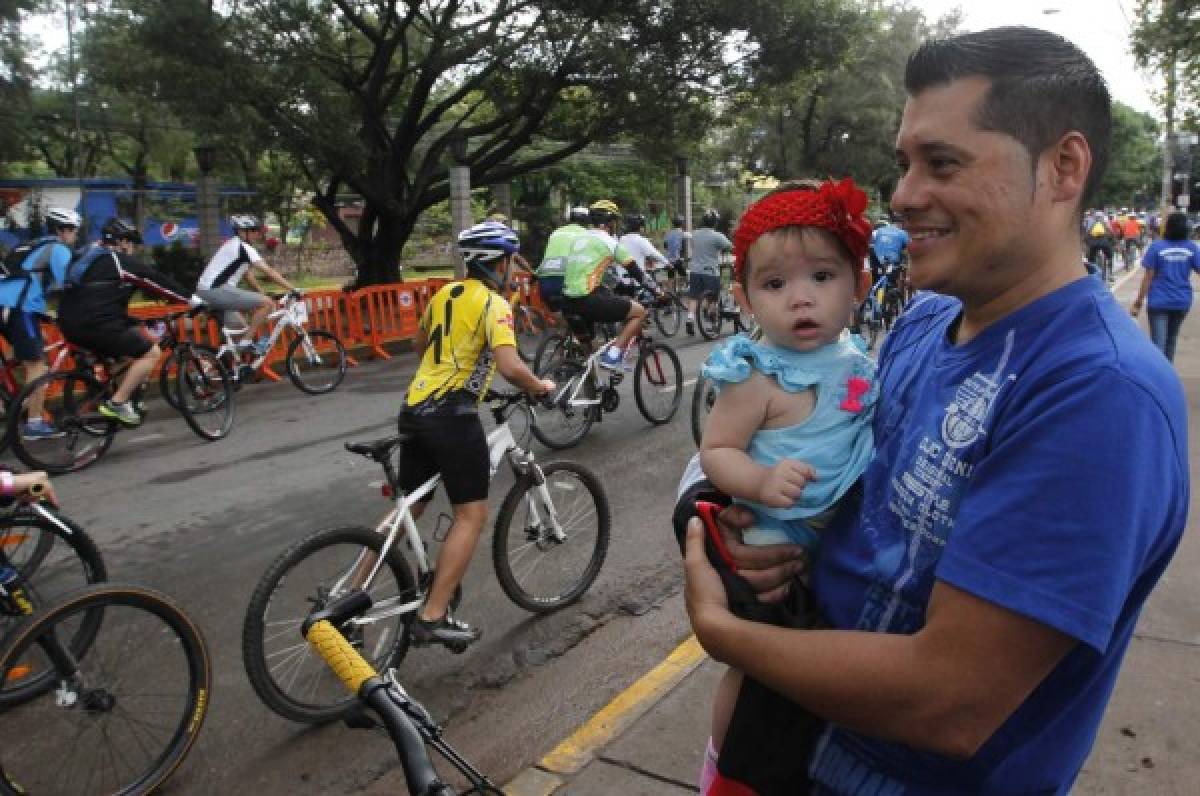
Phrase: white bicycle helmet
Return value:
(244, 221)
(59, 217)
(484, 244)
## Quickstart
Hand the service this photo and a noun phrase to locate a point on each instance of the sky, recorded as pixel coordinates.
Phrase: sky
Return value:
(1099, 27)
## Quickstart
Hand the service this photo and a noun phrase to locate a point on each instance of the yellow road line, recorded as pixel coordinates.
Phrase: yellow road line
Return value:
(576, 751)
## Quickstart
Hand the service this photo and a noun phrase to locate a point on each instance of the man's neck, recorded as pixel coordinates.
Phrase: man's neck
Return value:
(1064, 266)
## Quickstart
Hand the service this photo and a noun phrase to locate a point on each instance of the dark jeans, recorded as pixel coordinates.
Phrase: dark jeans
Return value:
(1164, 329)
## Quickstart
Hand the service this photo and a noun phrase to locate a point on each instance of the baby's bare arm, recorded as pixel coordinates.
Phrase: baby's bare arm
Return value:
(740, 410)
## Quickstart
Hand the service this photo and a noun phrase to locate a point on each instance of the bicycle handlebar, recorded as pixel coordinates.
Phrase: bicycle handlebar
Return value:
(378, 694)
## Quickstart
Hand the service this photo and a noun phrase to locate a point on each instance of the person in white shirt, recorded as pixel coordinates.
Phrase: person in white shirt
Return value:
(218, 285)
(649, 258)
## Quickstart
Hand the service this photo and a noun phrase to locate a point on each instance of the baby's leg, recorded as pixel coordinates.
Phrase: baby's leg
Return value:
(723, 704)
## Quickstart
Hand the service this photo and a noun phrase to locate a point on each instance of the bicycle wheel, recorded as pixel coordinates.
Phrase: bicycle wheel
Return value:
(704, 395)
(289, 678)
(82, 435)
(167, 378)
(668, 316)
(868, 323)
(569, 421)
(530, 327)
(708, 316)
(316, 361)
(205, 392)
(52, 556)
(742, 321)
(6, 406)
(125, 718)
(658, 383)
(540, 570)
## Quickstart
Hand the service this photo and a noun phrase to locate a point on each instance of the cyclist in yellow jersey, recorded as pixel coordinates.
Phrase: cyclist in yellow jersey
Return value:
(465, 334)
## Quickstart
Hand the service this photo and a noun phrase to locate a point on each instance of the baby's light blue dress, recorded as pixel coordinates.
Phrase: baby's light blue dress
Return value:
(836, 439)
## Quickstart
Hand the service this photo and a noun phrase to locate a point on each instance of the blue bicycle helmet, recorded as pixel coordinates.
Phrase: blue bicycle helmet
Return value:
(485, 244)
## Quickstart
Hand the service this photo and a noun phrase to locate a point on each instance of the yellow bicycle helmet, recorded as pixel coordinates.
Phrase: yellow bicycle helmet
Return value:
(604, 211)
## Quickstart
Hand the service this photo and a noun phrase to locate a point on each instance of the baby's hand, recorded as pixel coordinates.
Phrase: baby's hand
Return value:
(784, 483)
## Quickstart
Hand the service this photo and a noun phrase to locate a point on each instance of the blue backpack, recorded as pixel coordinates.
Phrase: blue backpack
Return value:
(40, 249)
(81, 263)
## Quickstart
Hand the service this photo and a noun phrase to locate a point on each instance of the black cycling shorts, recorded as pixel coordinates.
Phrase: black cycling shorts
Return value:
(453, 445)
(23, 330)
(599, 306)
(112, 339)
(699, 284)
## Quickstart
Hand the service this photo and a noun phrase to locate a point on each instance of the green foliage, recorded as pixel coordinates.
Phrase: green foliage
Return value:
(180, 262)
(1168, 32)
(1135, 159)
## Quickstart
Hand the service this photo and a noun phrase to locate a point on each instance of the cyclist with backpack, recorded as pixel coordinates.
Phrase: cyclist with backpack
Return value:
(553, 269)
(93, 312)
(33, 269)
(1100, 240)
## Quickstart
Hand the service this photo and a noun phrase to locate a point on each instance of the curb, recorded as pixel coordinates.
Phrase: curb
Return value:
(580, 748)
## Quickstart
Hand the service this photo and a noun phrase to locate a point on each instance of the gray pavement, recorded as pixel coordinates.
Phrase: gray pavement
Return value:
(650, 739)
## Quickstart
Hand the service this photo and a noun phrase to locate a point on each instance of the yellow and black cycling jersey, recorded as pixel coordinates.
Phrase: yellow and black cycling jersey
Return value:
(463, 323)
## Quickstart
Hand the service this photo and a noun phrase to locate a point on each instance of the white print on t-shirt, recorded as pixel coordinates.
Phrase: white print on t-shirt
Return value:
(925, 497)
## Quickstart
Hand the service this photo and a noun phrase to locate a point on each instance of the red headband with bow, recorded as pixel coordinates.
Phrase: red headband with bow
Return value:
(835, 206)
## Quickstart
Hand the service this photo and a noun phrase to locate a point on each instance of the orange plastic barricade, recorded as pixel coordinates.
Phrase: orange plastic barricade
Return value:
(389, 312)
(326, 310)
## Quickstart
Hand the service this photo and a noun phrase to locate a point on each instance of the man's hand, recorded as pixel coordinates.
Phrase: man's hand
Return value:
(707, 605)
(785, 482)
(769, 569)
(544, 386)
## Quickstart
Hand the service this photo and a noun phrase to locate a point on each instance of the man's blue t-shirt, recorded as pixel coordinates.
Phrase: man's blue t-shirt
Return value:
(1172, 262)
(34, 299)
(1043, 467)
(673, 242)
(888, 243)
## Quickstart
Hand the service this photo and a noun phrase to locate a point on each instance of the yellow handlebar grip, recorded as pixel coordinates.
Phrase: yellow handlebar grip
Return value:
(345, 661)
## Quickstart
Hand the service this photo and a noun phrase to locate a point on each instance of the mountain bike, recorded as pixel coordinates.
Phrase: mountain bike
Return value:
(714, 309)
(529, 323)
(585, 391)
(56, 357)
(549, 543)
(128, 700)
(315, 359)
(44, 555)
(882, 306)
(191, 380)
(407, 722)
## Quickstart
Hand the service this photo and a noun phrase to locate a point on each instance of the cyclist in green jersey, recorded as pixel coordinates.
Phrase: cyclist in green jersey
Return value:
(591, 254)
(552, 271)
(465, 334)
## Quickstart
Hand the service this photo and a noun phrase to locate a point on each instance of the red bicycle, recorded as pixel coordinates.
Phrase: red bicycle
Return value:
(57, 356)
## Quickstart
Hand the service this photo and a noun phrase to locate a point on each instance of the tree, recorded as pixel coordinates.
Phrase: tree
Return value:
(1134, 160)
(16, 80)
(841, 118)
(371, 97)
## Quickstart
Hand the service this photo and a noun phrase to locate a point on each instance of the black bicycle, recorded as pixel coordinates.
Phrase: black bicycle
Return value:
(127, 704)
(407, 722)
(192, 380)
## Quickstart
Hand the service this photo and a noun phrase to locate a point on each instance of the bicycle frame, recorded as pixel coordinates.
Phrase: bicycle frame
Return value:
(292, 314)
(501, 446)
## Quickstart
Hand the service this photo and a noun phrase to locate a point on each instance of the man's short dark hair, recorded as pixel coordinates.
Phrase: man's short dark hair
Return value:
(1042, 87)
(1176, 227)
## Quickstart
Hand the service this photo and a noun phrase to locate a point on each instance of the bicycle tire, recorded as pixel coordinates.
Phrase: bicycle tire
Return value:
(332, 362)
(564, 426)
(269, 600)
(52, 560)
(668, 316)
(7, 403)
(550, 350)
(205, 393)
(167, 377)
(522, 549)
(529, 325)
(708, 316)
(868, 324)
(42, 743)
(704, 395)
(653, 378)
(72, 398)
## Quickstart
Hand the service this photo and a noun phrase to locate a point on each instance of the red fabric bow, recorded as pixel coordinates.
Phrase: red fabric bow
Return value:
(835, 206)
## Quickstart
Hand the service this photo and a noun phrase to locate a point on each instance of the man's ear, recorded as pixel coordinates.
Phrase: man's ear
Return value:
(1069, 162)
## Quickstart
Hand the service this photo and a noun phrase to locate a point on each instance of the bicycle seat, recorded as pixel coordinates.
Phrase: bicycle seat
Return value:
(379, 450)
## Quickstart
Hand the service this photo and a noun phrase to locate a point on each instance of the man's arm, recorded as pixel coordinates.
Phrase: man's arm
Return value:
(270, 273)
(945, 689)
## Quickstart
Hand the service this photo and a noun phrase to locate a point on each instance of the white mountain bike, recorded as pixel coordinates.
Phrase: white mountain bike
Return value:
(550, 540)
(316, 358)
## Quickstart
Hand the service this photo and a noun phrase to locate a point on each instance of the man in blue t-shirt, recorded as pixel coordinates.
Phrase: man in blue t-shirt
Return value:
(1030, 479)
(23, 299)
